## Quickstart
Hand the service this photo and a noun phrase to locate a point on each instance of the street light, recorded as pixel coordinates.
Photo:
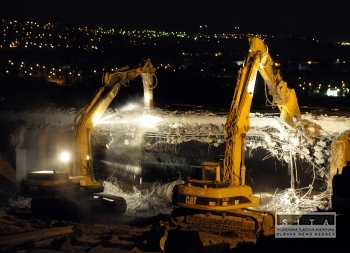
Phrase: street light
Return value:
(44, 72)
(38, 68)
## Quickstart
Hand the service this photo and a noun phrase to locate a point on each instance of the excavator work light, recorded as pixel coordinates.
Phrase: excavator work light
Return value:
(64, 157)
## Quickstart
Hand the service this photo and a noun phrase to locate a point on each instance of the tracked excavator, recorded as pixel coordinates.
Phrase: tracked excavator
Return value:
(223, 201)
(75, 191)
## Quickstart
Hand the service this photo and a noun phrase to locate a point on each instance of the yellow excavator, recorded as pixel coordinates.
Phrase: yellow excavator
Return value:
(75, 190)
(340, 172)
(223, 201)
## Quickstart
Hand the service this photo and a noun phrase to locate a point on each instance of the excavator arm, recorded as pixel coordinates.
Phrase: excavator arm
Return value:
(89, 116)
(237, 124)
(282, 96)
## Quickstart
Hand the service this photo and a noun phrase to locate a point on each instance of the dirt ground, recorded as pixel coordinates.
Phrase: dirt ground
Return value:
(135, 233)
(138, 231)
(98, 233)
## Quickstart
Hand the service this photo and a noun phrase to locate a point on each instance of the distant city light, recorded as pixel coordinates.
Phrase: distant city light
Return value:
(46, 37)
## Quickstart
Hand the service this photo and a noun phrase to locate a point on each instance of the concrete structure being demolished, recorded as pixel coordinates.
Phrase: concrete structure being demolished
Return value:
(156, 128)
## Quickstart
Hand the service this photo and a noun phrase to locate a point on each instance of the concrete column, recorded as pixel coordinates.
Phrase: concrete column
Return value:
(147, 80)
(43, 142)
(21, 164)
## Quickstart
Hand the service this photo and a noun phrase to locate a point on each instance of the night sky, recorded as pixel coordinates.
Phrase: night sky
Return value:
(310, 18)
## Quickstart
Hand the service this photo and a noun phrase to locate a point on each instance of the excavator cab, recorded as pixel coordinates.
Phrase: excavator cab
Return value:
(211, 171)
(341, 190)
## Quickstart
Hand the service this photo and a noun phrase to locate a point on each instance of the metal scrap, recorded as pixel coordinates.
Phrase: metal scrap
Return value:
(297, 201)
(141, 201)
(34, 236)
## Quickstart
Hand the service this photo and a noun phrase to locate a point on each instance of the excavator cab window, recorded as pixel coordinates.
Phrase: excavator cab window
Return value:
(211, 171)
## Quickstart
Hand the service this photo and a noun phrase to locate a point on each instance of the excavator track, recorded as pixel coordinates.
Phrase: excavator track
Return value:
(245, 223)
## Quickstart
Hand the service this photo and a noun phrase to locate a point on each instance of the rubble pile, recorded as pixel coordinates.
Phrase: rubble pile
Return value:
(297, 201)
(143, 202)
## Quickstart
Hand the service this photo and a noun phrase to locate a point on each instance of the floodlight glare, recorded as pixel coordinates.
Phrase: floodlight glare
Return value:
(64, 156)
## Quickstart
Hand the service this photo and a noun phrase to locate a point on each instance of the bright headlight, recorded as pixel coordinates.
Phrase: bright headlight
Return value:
(64, 157)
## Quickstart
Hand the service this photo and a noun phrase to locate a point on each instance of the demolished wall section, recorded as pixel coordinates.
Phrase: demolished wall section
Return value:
(156, 128)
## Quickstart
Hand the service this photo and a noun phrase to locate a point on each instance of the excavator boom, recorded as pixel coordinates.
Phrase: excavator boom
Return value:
(282, 96)
(258, 60)
(86, 119)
